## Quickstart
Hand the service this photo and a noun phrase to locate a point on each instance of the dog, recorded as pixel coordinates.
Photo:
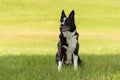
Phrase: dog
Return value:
(68, 45)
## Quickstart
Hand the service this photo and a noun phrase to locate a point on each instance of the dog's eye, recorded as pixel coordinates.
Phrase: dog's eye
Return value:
(68, 21)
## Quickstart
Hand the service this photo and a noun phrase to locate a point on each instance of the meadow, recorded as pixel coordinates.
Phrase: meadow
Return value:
(29, 32)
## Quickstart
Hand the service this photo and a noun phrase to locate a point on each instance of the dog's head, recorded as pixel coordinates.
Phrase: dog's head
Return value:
(67, 23)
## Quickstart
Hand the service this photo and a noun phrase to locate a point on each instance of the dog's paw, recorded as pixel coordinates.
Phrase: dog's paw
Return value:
(75, 67)
(59, 68)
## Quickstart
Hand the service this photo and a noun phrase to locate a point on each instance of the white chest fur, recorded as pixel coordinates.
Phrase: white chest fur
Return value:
(71, 41)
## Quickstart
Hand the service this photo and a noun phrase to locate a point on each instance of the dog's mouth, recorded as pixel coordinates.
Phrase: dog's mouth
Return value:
(64, 29)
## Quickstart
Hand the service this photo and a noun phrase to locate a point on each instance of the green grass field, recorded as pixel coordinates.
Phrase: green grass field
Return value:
(29, 32)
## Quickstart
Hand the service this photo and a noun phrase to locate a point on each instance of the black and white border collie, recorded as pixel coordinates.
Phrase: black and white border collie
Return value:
(68, 45)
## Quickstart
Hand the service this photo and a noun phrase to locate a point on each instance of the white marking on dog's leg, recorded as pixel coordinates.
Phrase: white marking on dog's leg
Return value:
(65, 47)
(75, 61)
(59, 65)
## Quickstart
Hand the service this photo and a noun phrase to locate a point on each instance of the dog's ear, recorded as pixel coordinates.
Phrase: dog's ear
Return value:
(62, 15)
(71, 15)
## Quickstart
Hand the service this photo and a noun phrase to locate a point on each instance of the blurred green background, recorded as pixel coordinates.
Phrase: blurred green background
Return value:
(33, 25)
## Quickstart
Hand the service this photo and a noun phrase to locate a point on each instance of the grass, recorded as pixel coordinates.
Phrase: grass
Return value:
(29, 32)
(41, 67)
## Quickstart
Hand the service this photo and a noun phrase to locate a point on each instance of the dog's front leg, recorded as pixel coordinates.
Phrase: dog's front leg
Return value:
(60, 62)
(59, 65)
(62, 53)
(75, 58)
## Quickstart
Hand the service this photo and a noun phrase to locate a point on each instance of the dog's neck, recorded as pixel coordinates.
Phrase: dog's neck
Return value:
(68, 34)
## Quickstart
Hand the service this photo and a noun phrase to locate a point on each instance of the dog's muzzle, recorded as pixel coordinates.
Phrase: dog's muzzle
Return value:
(65, 28)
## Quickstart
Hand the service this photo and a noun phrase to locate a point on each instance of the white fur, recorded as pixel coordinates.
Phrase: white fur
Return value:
(68, 34)
(63, 21)
(72, 41)
(75, 58)
(59, 65)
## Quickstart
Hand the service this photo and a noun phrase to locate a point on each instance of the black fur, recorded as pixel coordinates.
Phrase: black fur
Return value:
(67, 24)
